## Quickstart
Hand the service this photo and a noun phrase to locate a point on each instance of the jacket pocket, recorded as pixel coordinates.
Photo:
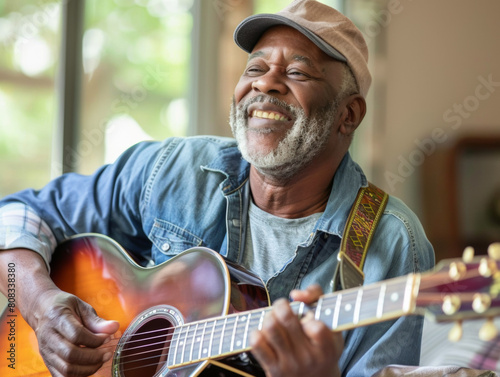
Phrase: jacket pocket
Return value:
(169, 240)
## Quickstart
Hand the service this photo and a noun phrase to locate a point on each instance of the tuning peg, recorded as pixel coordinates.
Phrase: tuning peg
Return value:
(494, 251)
(487, 267)
(481, 302)
(451, 303)
(468, 254)
(488, 331)
(457, 270)
(456, 332)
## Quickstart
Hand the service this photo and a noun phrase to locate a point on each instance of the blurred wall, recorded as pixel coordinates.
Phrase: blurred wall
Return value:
(437, 79)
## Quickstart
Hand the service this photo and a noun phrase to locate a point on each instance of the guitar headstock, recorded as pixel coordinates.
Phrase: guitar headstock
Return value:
(462, 289)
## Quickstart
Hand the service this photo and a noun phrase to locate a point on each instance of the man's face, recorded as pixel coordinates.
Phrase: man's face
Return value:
(284, 108)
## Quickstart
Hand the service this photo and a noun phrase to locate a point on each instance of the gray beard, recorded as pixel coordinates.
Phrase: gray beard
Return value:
(301, 144)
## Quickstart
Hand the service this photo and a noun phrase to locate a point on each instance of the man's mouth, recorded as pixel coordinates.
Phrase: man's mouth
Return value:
(269, 115)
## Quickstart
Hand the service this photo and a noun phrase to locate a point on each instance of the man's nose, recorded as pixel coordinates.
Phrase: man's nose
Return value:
(270, 83)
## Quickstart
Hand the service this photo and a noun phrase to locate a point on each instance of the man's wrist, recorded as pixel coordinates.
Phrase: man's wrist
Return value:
(25, 270)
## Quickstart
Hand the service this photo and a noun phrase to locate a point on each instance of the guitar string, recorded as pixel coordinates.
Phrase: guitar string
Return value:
(193, 335)
(325, 300)
(189, 331)
(190, 335)
(236, 316)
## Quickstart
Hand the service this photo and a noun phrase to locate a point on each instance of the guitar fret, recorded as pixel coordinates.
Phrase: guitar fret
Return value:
(261, 320)
(335, 322)
(317, 315)
(394, 301)
(369, 303)
(381, 298)
(202, 339)
(178, 357)
(300, 312)
(240, 332)
(324, 310)
(174, 343)
(222, 335)
(245, 333)
(185, 349)
(231, 349)
(357, 308)
(227, 335)
(255, 323)
(207, 339)
(193, 342)
(347, 309)
(214, 338)
(407, 300)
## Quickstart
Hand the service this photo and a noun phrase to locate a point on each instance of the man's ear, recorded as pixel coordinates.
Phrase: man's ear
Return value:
(353, 112)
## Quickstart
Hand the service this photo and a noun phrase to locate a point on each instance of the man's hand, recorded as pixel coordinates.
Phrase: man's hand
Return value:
(68, 330)
(287, 346)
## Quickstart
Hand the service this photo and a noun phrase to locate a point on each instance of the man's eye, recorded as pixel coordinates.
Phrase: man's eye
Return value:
(297, 74)
(254, 70)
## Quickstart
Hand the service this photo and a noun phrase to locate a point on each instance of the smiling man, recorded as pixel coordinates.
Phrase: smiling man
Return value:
(276, 200)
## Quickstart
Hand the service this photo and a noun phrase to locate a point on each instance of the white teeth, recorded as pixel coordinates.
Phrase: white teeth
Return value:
(268, 115)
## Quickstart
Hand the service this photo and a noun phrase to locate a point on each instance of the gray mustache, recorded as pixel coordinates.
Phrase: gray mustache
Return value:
(263, 98)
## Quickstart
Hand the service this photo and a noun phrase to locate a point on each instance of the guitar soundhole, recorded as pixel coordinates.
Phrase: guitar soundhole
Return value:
(146, 349)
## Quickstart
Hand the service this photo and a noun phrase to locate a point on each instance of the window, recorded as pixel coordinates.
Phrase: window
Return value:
(29, 41)
(136, 58)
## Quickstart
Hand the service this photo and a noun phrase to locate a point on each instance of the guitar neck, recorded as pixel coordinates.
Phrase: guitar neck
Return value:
(344, 310)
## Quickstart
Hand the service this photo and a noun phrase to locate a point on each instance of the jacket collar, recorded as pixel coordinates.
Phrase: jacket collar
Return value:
(348, 179)
(230, 163)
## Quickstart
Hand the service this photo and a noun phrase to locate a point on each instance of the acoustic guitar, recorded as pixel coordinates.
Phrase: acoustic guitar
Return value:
(192, 315)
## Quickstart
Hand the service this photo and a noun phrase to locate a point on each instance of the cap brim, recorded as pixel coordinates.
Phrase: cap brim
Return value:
(251, 29)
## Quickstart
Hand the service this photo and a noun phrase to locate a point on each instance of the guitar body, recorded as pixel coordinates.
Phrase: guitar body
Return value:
(193, 286)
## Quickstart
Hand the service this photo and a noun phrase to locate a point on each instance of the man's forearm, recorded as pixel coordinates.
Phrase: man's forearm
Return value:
(28, 271)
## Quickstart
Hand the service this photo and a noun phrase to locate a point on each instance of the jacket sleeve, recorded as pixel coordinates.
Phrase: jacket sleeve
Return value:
(106, 202)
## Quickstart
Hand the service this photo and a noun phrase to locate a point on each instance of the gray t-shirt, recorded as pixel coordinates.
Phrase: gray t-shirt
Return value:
(271, 241)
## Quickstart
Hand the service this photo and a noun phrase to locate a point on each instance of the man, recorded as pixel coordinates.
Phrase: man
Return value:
(280, 211)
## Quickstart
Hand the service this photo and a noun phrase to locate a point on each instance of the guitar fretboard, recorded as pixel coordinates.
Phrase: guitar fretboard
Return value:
(344, 310)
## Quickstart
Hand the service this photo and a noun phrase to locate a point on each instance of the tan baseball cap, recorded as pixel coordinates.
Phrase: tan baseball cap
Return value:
(326, 27)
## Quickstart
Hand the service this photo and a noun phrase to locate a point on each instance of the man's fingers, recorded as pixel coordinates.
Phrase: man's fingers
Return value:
(280, 345)
(95, 323)
(66, 359)
(287, 346)
(319, 334)
(309, 295)
(69, 326)
(77, 322)
(261, 350)
(81, 355)
(60, 367)
(283, 324)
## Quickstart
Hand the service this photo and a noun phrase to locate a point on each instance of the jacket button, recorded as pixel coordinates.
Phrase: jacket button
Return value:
(165, 247)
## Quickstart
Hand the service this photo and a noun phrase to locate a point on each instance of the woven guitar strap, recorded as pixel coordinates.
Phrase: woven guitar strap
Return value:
(360, 227)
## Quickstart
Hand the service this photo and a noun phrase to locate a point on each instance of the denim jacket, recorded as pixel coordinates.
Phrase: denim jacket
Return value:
(160, 198)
